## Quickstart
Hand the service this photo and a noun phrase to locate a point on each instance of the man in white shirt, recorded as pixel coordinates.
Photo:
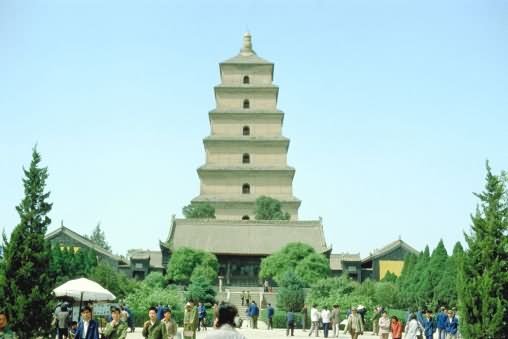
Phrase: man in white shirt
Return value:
(314, 318)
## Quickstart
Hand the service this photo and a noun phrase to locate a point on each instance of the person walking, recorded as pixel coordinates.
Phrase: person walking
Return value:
(314, 318)
(152, 327)
(190, 320)
(429, 326)
(305, 314)
(116, 328)
(290, 317)
(226, 324)
(354, 324)
(215, 314)
(168, 325)
(242, 297)
(201, 316)
(254, 314)
(247, 298)
(384, 326)
(375, 320)
(413, 327)
(325, 318)
(270, 312)
(396, 328)
(335, 320)
(452, 325)
(88, 328)
(441, 318)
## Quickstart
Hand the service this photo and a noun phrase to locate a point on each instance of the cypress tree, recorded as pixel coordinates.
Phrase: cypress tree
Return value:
(483, 274)
(437, 269)
(28, 280)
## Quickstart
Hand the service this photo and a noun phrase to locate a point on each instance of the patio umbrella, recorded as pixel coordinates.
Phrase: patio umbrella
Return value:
(83, 289)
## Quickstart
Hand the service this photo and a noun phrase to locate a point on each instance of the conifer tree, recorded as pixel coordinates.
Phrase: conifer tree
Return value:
(28, 282)
(483, 274)
(438, 266)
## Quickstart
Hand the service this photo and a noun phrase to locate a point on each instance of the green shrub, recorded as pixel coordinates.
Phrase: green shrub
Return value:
(279, 319)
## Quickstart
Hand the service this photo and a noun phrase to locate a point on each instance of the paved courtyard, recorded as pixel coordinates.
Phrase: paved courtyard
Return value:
(257, 334)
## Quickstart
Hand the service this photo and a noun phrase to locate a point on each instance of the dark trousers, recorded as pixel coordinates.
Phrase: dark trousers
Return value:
(290, 327)
(63, 332)
(325, 329)
(270, 323)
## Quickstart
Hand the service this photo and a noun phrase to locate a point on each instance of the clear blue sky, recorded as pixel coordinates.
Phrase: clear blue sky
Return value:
(392, 108)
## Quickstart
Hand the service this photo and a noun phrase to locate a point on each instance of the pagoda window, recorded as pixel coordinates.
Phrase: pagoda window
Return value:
(246, 79)
(246, 158)
(245, 217)
(246, 104)
(245, 189)
(246, 130)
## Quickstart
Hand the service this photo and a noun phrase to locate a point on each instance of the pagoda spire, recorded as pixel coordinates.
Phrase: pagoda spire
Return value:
(246, 49)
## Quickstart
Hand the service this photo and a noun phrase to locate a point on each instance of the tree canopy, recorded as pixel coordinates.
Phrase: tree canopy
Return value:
(184, 261)
(268, 208)
(28, 283)
(290, 296)
(299, 258)
(199, 211)
(98, 237)
(483, 273)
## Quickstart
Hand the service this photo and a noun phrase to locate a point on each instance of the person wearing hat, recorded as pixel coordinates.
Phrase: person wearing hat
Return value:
(169, 326)
(190, 320)
(152, 328)
(441, 318)
(117, 328)
(354, 324)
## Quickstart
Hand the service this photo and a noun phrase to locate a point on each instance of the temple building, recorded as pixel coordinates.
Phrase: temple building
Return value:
(246, 157)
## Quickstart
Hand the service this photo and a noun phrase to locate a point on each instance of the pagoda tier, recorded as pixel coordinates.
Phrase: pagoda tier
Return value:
(246, 153)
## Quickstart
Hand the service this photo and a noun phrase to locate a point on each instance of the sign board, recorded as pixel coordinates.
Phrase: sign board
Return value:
(102, 309)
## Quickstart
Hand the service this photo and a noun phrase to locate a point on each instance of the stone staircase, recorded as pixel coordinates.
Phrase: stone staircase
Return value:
(256, 293)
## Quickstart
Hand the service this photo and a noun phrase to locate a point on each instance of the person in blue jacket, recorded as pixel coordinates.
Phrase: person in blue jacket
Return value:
(441, 318)
(87, 328)
(452, 325)
(429, 326)
(271, 311)
(254, 314)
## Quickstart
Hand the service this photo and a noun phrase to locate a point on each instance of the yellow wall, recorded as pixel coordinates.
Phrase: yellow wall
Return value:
(394, 266)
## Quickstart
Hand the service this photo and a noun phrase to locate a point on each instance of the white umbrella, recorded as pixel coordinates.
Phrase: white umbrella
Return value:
(83, 289)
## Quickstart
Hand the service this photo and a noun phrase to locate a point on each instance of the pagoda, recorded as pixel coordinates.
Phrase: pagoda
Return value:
(246, 157)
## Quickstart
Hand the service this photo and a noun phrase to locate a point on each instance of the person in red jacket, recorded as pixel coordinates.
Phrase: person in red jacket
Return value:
(396, 328)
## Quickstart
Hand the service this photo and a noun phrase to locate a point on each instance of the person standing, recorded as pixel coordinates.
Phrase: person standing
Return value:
(325, 318)
(429, 326)
(354, 324)
(270, 313)
(247, 298)
(62, 319)
(190, 320)
(152, 327)
(5, 330)
(226, 324)
(396, 328)
(335, 320)
(441, 318)
(168, 325)
(216, 314)
(201, 316)
(254, 314)
(452, 325)
(242, 297)
(384, 326)
(117, 328)
(88, 328)
(290, 317)
(413, 327)
(375, 320)
(314, 319)
(305, 314)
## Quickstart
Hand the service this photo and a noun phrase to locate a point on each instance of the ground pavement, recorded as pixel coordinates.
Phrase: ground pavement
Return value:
(260, 333)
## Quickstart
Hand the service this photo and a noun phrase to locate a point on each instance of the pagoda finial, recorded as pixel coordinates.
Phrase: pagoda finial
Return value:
(247, 45)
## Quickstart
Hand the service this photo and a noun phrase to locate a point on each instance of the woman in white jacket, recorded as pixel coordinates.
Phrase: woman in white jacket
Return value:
(413, 328)
(384, 326)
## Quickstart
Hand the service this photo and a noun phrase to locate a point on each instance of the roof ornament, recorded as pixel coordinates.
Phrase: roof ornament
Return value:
(246, 49)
